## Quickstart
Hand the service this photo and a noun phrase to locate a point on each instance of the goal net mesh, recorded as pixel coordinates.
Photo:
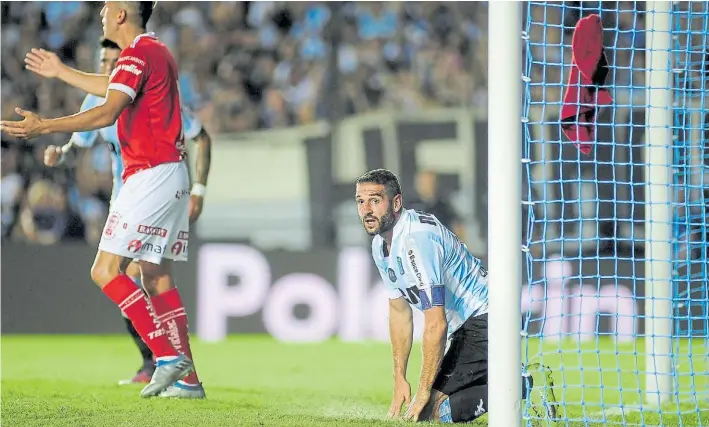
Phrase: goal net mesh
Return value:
(585, 322)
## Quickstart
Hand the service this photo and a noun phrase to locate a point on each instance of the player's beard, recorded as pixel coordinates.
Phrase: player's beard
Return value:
(386, 223)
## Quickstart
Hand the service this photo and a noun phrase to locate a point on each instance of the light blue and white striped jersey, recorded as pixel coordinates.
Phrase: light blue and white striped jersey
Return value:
(428, 266)
(190, 123)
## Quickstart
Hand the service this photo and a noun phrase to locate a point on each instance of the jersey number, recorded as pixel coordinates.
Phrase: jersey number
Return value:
(412, 298)
(425, 218)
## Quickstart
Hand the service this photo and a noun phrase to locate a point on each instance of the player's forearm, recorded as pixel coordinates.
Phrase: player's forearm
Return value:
(434, 340)
(96, 84)
(401, 331)
(204, 158)
(91, 119)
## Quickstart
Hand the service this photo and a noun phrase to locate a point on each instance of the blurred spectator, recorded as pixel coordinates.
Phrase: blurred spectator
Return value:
(12, 188)
(429, 199)
(44, 218)
(88, 197)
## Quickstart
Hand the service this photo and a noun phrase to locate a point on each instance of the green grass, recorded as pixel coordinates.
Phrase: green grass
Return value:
(256, 381)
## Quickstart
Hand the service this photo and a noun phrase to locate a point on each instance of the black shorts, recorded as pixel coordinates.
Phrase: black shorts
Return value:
(465, 363)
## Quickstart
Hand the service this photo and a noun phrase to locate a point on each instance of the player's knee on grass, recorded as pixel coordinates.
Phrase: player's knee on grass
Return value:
(157, 278)
(106, 267)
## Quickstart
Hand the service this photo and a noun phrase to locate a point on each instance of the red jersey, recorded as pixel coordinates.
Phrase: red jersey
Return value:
(150, 128)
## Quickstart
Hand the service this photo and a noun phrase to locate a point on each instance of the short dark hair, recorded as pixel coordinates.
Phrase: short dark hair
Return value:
(145, 10)
(383, 177)
(108, 44)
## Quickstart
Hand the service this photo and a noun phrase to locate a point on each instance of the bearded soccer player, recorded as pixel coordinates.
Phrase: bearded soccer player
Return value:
(149, 220)
(193, 130)
(424, 265)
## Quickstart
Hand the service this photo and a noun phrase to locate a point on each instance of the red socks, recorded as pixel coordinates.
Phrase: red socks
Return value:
(171, 313)
(130, 298)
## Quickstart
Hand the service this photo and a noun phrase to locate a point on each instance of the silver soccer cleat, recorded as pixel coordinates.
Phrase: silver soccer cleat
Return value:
(166, 374)
(184, 391)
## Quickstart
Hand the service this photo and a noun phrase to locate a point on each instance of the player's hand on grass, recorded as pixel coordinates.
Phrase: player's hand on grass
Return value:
(30, 127)
(195, 208)
(46, 64)
(417, 405)
(402, 395)
(53, 156)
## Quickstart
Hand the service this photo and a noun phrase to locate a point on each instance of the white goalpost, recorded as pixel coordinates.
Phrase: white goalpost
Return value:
(504, 213)
(658, 199)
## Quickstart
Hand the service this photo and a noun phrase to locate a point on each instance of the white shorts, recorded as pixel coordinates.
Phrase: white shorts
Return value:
(149, 220)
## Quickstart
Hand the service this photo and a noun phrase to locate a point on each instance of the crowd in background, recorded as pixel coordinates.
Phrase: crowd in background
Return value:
(243, 66)
(257, 65)
(260, 65)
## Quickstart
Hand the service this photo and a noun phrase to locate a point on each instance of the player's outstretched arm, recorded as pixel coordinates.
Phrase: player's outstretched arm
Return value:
(95, 118)
(401, 331)
(47, 64)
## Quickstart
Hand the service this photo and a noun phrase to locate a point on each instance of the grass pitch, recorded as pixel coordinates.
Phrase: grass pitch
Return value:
(257, 381)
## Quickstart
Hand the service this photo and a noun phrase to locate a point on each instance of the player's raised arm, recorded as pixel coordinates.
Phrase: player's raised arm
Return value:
(95, 118)
(126, 82)
(401, 330)
(47, 64)
(424, 261)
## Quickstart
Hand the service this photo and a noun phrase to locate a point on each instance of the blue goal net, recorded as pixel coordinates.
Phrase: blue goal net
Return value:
(616, 303)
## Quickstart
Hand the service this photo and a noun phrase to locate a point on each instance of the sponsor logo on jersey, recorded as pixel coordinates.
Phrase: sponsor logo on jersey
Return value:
(152, 231)
(135, 245)
(417, 273)
(109, 232)
(392, 275)
(178, 248)
(131, 58)
(132, 68)
(149, 247)
(183, 235)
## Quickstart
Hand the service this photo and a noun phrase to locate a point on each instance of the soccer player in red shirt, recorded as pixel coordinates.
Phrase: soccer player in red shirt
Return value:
(149, 219)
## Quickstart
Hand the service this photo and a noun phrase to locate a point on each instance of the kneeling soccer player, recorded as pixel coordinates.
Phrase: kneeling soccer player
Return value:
(424, 265)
